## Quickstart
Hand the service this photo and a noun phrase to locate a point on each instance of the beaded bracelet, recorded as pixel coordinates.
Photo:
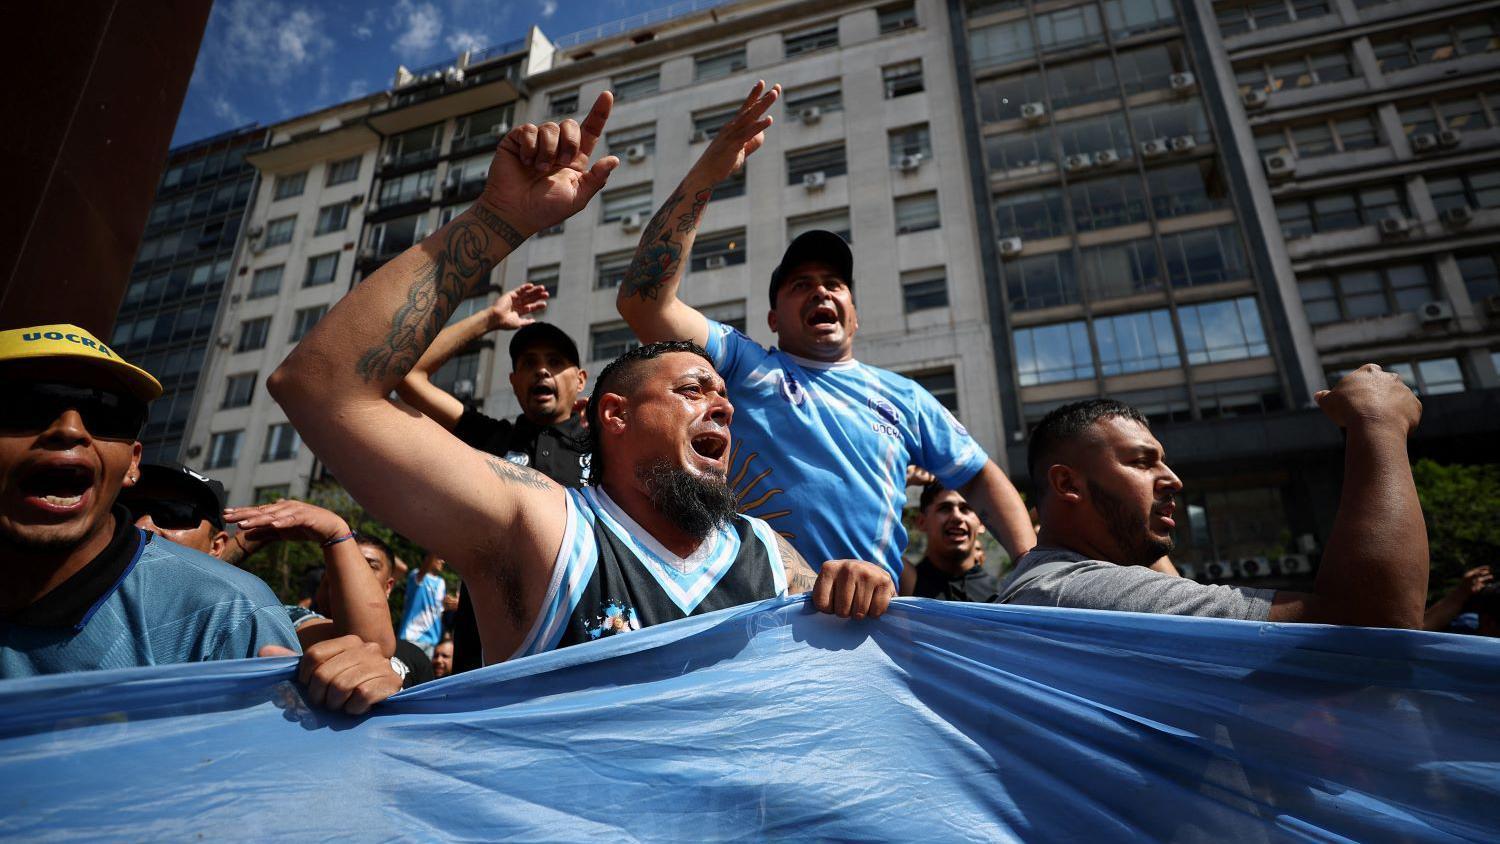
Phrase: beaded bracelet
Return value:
(336, 540)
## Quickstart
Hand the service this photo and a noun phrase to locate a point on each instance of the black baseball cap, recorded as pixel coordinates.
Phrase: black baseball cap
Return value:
(206, 494)
(816, 245)
(542, 332)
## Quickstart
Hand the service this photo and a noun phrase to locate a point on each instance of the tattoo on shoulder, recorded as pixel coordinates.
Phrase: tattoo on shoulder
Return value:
(657, 258)
(506, 231)
(511, 473)
(799, 575)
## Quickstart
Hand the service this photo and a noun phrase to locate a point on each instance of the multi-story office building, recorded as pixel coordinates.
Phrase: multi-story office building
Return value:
(1210, 210)
(166, 319)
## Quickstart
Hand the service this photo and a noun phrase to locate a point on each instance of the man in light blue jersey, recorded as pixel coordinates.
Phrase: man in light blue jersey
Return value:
(422, 624)
(823, 441)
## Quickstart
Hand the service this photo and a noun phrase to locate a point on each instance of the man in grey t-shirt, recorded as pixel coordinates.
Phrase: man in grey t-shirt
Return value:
(1105, 496)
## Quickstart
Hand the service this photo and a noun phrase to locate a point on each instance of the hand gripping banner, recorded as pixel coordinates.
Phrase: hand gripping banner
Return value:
(936, 722)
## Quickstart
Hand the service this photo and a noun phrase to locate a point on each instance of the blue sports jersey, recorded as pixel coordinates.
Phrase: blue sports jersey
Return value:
(820, 450)
(422, 625)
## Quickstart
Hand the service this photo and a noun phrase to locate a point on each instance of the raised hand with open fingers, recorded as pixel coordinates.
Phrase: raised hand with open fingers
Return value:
(514, 307)
(740, 137)
(541, 175)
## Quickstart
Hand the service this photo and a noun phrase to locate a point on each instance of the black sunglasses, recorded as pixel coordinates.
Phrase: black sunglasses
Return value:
(31, 408)
(170, 515)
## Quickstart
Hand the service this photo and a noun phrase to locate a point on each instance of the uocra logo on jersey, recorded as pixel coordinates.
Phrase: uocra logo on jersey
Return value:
(791, 389)
(891, 426)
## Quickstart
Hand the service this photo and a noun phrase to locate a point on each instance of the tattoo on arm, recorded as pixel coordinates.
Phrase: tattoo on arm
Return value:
(506, 231)
(799, 575)
(511, 473)
(659, 256)
(688, 222)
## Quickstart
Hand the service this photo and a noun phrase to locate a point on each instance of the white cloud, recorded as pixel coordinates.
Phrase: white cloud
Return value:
(258, 52)
(226, 110)
(419, 26)
(365, 29)
(357, 88)
(466, 40)
(549, 8)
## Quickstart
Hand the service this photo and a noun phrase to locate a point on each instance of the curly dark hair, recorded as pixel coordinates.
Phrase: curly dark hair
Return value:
(621, 377)
(1064, 425)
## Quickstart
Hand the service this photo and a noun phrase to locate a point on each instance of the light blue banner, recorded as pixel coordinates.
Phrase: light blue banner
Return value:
(936, 722)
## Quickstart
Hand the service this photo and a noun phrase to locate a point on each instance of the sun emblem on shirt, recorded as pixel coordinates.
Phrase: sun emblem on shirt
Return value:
(754, 499)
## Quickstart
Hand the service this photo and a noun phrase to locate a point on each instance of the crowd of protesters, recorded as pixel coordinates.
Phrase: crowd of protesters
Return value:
(586, 518)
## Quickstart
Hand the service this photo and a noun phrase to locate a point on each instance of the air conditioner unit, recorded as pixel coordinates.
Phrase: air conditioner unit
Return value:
(1033, 111)
(635, 153)
(372, 208)
(1432, 313)
(908, 163)
(1217, 570)
(557, 229)
(1458, 217)
(235, 298)
(1011, 246)
(454, 76)
(1253, 567)
(1280, 166)
(194, 450)
(810, 115)
(357, 199)
(463, 388)
(499, 129)
(1077, 162)
(1182, 82)
(1155, 148)
(1425, 143)
(255, 231)
(224, 340)
(1392, 228)
(630, 223)
(1187, 570)
(450, 185)
(1106, 158)
(1255, 98)
(699, 136)
(387, 160)
(1449, 138)
(814, 181)
(368, 253)
(1183, 143)
(1293, 564)
(257, 247)
(715, 262)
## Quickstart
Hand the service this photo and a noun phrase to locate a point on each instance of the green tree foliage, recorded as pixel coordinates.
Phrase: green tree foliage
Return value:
(1462, 507)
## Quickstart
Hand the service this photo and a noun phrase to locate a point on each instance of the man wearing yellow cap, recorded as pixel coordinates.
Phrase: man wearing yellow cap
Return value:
(86, 589)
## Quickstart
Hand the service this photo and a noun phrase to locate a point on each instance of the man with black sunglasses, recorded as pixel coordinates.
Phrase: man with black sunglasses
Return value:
(87, 588)
(176, 503)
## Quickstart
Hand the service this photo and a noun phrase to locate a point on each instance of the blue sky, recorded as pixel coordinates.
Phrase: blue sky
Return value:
(268, 60)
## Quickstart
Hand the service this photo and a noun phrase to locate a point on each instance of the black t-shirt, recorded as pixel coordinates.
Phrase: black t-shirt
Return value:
(975, 585)
(418, 666)
(557, 451)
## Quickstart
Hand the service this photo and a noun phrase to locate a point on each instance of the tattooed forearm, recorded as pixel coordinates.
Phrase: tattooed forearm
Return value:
(430, 299)
(688, 222)
(657, 257)
(511, 473)
(799, 575)
(506, 231)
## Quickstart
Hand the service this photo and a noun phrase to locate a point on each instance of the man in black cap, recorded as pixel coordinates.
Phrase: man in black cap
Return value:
(823, 440)
(548, 436)
(178, 504)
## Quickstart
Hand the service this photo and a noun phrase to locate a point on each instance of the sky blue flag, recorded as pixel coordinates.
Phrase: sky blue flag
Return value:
(936, 722)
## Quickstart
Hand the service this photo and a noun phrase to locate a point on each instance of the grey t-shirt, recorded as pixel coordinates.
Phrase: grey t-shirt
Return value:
(1057, 577)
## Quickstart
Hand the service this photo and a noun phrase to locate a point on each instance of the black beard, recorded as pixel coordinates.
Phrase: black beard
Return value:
(696, 504)
(1129, 531)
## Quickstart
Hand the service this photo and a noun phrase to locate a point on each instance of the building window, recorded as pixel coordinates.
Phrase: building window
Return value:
(1264, 14)
(562, 103)
(910, 142)
(238, 390)
(941, 384)
(304, 320)
(332, 218)
(1187, 189)
(902, 79)
(1171, 120)
(1031, 214)
(458, 375)
(708, 122)
(619, 142)
(1365, 293)
(828, 160)
(341, 171)
(636, 86)
(266, 282)
(271, 494)
(547, 276)
(1000, 44)
(836, 221)
(290, 185)
(1052, 353)
(1412, 46)
(1120, 269)
(415, 146)
(469, 307)
(1077, 83)
(1041, 281)
(223, 449)
(1001, 98)
(923, 290)
(467, 176)
(1471, 189)
(731, 314)
(1140, 342)
(1019, 153)
(253, 334)
(1128, 18)
(719, 64)
(1481, 274)
(917, 213)
(1094, 135)
(1068, 28)
(482, 129)
(715, 251)
(282, 443)
(822, 37)
(1223, 331)
(1462, 113)
(1433, 377)
(1151, 68)
(412, 187)
(732, 186)
(321, 269)
(1204, 256)
(896, 17)
(1324, 137)
(825, 97)
(279, 230)
(1302, 70)
(610, 340)
(1329, 212)
(627, 202)
(398, 235)
(610, 270)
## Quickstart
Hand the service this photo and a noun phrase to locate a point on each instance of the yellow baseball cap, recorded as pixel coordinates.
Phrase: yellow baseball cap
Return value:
(63, 342)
